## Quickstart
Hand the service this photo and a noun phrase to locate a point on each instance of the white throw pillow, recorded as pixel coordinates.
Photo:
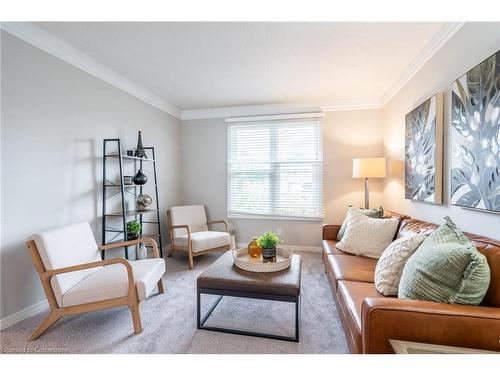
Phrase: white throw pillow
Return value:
(392, 261)
(367, 236)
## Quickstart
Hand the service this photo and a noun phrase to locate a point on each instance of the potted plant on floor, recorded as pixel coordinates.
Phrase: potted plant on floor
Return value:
(268, 242)
(133, 230)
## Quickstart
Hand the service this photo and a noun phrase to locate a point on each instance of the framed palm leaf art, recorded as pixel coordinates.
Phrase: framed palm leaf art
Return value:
(424, 152)
(475, 137)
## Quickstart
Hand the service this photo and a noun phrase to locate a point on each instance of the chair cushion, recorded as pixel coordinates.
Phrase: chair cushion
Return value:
(67, 246)
(194, 216)
(204, 240)
(351, 268)
(112, 282)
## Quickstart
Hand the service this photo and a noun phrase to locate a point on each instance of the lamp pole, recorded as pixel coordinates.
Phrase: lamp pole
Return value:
(367, 203)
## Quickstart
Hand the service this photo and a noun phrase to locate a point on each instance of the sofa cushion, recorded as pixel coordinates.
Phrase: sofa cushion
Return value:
(446, 268)
(488, 247)
(353, 294)
(329, 247)
(112, 282)
(491, 250)
(391, 263)
(410, 226)
(367, 236)
(205, 240)
(351, 268)
(375, 213)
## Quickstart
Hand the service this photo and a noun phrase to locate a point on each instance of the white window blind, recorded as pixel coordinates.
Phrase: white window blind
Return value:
(275, 168)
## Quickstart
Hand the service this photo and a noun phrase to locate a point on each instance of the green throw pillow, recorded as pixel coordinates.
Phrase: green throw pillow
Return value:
(446, 268)
(376, 213)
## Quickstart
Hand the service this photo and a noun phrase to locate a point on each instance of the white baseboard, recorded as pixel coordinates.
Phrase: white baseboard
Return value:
(308, 249)
(26, 313)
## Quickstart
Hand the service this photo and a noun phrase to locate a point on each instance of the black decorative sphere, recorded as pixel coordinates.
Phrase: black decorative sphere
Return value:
(139, 178)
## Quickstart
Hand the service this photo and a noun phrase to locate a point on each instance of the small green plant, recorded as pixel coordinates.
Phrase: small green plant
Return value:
(269, 240)
(133, 228)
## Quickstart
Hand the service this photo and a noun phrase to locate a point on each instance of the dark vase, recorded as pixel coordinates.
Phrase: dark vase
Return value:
(139, 178)
(269, 254)
(139, 152)
(131, 236)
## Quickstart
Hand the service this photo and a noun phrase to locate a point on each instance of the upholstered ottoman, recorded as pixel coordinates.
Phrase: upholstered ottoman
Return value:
(223, 278)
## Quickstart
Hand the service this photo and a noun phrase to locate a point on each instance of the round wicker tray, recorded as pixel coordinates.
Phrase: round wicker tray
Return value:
(246, 262)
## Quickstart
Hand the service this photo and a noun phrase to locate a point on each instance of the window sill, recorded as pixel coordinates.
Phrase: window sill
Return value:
(264, 217)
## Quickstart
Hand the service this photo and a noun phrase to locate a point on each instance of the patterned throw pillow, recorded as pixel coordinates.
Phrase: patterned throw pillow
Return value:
(446, 268)
(392, 261)
(367, 236)
(376, 213)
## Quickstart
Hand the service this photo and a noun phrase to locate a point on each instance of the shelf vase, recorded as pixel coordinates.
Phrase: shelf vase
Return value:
(139, 178)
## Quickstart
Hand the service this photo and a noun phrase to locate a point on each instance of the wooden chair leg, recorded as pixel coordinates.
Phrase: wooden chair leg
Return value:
(161, 287)
(170, 251)
(190, 254)
(136, 317)
(45, 325)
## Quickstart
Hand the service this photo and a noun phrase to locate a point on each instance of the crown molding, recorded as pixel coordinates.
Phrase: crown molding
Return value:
(437, 41)
(50, 44)
(281, 108)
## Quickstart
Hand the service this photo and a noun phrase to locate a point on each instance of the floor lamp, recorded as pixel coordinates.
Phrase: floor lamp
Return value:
(368, 168)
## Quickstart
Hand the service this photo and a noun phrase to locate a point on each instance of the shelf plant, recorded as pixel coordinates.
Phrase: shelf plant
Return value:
(133, 229)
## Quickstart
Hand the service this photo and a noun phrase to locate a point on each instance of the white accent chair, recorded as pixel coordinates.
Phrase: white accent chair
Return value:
(188, 228)
(76, 280)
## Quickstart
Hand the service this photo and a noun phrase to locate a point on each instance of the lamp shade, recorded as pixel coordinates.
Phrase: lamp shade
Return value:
(369, 168)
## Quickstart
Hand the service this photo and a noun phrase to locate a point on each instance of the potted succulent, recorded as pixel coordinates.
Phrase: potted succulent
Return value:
(133, 229)
(268, 242)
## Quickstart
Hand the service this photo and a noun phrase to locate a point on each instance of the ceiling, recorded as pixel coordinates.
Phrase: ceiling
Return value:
(209, 65)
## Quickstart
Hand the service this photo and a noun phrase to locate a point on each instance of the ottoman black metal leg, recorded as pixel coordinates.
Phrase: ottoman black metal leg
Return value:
(201, 322)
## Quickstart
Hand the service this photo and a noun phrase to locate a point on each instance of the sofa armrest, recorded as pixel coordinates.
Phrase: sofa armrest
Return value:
(330, 231)
(383, 319)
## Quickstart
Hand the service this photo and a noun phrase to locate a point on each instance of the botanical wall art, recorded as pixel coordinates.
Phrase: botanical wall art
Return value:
(475, 137)
(424, 151)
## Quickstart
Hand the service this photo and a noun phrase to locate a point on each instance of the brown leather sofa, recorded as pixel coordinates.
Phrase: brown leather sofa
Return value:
(370, 320)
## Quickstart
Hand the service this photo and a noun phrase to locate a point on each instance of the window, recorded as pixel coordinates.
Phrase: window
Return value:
(275, 167)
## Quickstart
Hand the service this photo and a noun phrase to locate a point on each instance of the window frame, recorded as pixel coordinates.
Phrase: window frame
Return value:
(274, 190)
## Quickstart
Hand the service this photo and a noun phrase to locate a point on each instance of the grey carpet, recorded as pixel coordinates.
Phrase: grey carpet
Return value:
(169, 321)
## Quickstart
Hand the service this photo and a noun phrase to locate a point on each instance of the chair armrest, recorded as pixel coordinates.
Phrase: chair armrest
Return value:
(145, 240)
(428, 322)
(226, 224)
(180, 226)
(330, 231)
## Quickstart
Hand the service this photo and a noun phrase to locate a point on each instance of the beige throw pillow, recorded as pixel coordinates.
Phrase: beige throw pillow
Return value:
(392, 261)
(367, 236)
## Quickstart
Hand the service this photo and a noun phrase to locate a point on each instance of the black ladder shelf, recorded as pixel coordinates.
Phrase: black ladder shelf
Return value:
(111, 189)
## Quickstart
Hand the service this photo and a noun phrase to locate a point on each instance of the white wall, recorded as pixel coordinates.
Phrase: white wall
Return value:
(54, 117)
(346, 135)
(471, 45)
